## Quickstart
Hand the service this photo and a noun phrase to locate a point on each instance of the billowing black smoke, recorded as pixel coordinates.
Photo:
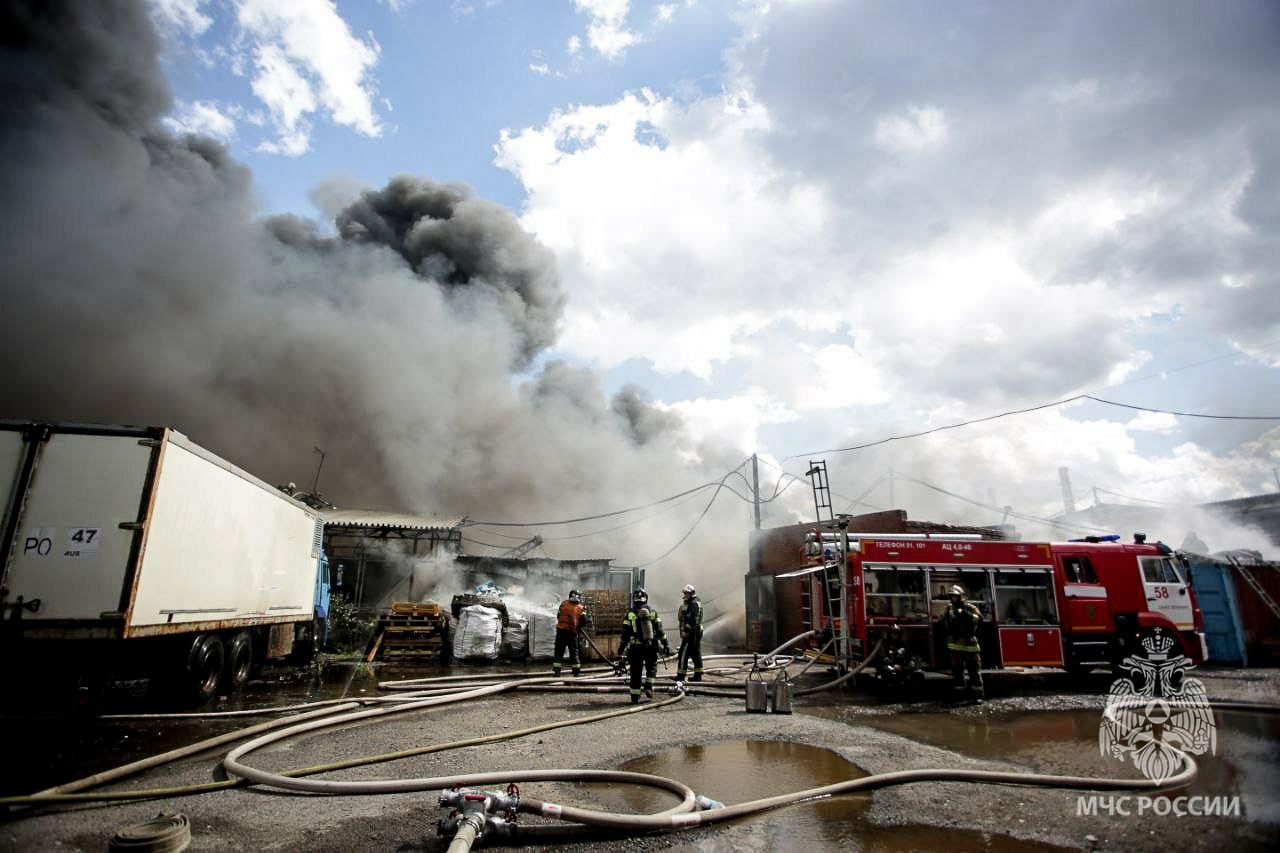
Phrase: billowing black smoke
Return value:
(451, 238)
(140, 286)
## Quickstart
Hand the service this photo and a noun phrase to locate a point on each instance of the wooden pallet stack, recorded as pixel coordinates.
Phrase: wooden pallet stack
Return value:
(607, 608)
(410, 630)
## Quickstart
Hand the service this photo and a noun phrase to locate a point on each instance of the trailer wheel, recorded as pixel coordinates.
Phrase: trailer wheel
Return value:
(204, 668)
(239, 660)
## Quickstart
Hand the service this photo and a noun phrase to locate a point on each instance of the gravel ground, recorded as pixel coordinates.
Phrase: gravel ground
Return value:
(1006, 733)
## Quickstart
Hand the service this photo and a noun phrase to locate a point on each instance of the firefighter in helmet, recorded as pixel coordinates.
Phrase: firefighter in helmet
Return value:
(897, 666)
(689, 618)
(571, 619)
(961, 621)
(642, 635)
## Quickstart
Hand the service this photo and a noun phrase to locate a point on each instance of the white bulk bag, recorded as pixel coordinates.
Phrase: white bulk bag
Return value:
(479, 633)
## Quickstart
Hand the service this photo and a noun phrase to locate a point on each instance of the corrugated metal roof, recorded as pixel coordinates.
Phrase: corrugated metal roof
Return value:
(398, 520)
(478, 557)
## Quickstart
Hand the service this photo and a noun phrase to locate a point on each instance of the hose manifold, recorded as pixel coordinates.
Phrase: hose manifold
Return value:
(486, 813)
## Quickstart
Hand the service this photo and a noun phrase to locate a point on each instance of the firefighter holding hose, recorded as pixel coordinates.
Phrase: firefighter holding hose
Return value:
(642, 635)
(571, 619)
(961, 621)
(689, 618)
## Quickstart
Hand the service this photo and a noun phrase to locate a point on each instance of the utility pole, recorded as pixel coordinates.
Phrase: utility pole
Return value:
(892, 505)
(755, 484)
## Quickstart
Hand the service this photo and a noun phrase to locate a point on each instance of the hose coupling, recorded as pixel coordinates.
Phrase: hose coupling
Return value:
(705, 803)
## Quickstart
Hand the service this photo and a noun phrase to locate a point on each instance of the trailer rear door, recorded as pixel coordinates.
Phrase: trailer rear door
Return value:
(69, 551)
(222, 548)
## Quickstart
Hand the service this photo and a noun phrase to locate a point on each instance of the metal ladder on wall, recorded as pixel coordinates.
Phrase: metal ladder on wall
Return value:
(1258, 588)
(833, 569)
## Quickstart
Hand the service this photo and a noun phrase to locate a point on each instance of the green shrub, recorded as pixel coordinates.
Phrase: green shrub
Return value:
(348, 631)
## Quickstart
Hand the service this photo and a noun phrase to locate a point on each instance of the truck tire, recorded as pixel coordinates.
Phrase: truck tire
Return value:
(239, 661)
(205, 663)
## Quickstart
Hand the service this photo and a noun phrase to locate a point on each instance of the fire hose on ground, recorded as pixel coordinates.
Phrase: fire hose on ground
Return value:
(691, 811)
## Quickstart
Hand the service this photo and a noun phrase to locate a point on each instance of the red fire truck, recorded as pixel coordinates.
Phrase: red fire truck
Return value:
(1075, 605)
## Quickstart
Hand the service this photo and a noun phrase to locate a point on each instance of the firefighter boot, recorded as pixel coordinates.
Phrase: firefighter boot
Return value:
(648, 689)
(697, 675)
(635, 698)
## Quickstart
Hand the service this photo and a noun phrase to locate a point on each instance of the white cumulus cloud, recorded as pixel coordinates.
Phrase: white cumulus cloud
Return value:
(607, 31)
(180, 16)
(307, 62)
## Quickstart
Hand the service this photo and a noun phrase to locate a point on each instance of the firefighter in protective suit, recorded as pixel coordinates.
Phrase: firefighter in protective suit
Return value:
(689, 618)
(571, 619)
(961, 621)
(642, 635)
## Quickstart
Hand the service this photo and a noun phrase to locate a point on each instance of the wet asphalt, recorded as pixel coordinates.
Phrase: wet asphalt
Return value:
(1041, 723)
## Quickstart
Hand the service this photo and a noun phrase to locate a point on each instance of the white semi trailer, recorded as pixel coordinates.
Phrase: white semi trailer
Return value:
(131, 552)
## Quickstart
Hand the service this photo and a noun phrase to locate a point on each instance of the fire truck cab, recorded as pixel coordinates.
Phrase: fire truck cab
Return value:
(1112, 593)
(1075, 605)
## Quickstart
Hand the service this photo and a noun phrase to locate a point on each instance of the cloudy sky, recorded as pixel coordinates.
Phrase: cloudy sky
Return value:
(803, 225)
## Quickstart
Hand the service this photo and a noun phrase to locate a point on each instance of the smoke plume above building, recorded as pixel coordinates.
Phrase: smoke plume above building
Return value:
(141, 286)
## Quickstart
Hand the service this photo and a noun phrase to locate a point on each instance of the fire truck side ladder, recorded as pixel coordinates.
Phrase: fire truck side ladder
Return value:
(832, 569)
(1253, 582)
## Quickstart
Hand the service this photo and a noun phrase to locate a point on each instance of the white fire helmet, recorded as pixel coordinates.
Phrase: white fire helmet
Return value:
(689, 590)
(957, 590)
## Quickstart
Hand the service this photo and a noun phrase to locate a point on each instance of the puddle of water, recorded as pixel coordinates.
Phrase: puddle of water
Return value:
(1244, 763)
(736, 771)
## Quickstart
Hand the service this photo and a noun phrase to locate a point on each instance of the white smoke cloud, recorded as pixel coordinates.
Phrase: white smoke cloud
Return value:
(897, 219)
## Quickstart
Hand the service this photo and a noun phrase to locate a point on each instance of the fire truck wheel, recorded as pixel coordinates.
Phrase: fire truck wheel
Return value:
(239, 660)
(204, 668)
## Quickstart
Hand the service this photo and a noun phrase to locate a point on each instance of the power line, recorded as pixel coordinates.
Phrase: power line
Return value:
(1182, 414)
(1018, 515)
(1027, 410)
(686, 535)
(485, 544)
(706, 509)
(622, 526)
(878, 442)
(1140, 500)
(716, 483)
(851, 501)
(1235, 353)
